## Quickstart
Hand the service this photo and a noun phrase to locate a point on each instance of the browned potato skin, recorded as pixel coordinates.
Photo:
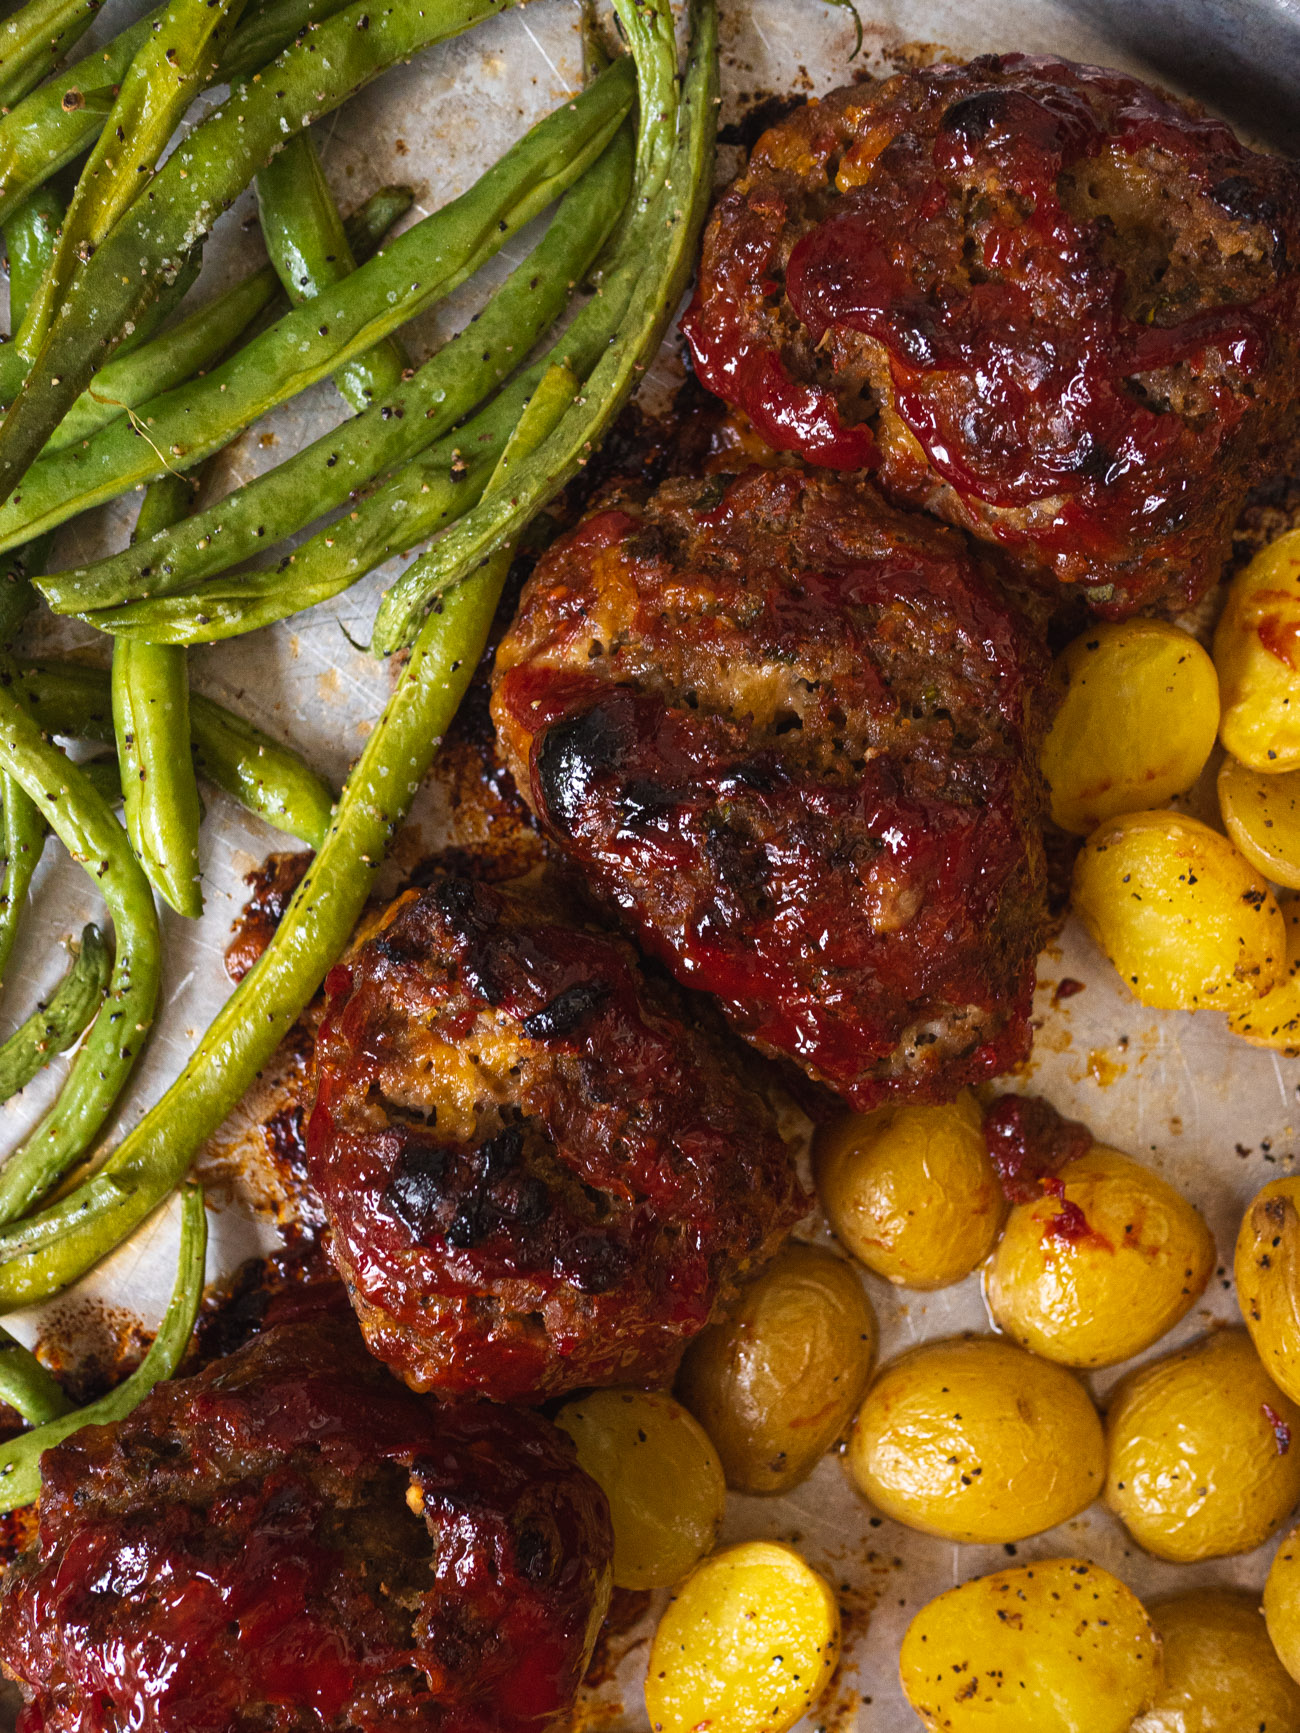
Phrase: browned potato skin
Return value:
(1267, 1271)
(1204, 1451)
(1101, 1272)
(1222, 1674)
(776, 1381)
(1056, 1647)
(910, 1191)
(973, 1439)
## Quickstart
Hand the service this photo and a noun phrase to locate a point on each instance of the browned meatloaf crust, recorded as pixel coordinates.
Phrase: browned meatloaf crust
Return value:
(539, 1171)
(291, 1542)
(791, 733)
(1042, 300)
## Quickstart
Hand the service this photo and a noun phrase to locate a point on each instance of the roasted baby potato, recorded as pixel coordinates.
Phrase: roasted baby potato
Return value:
(1186, 920)
(776, 1381)
(1261, 814)
(1257, 654)
(1282, 1603)
(1222, 1674)
(746, 1645)
(1137, 720)
(1267, 1274)
(661, 1475)
(910, 1191)
(975, 1440)
(1274, 1020)
(1204, 1451)
(1057, 1647)
(1099, 1272)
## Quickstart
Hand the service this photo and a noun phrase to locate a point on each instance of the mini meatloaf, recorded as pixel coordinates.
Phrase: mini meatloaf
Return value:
(291, 1542)
(791, 733)
(539, 1171)
(1044, 301)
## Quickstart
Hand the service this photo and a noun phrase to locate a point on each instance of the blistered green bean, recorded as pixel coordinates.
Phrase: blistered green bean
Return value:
(20, 1458)
(35, 38)
(59, 1023)
(425, 263)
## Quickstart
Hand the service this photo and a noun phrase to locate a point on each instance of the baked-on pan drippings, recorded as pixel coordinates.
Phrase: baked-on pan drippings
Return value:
(1039, 299)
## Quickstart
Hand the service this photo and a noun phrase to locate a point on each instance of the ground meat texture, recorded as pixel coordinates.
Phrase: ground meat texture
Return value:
(1040, 299)
(291, 1542)
(791, 733)
(539, 1173)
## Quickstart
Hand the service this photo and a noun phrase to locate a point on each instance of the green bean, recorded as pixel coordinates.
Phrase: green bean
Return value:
(59, 1024)
(170, 67)
(339, 465)
(305, 238)
(151, 719)
(670, 236)
(197, 182)
(20, 1459)
(83, 822)
(105, 775)
(181, 428)
(22, 837)
(57, 1246)
(65, 116)
(35, 39)
(269, 779)
(25, 1385)
(197, 341)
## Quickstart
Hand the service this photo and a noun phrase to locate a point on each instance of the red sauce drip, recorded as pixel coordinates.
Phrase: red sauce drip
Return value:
(1028, 1143)
(1281, 1431)
(1281, 638)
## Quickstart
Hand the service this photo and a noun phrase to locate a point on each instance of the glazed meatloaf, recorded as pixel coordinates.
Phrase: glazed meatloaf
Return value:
(539, 1170)
(1041, 300)
(291, 1542)
(791, 733)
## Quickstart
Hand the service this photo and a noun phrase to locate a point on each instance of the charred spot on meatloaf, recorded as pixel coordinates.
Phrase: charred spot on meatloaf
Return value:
(292, 1542)
(791, 733)
(539, 1170)
(1042, 300)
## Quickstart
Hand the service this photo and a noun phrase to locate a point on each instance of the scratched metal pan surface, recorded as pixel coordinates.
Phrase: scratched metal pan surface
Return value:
(1215, 1117)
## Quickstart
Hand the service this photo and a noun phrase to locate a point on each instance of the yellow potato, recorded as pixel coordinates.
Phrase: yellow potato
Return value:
(1262, 816)
(661, 1475)
(1257, 654)
(1274, 1020)
(1057, 1647)
(1137, 721)
(1267, 1273)
(1186, 920)
(1221, 1672)
(746, 1645)
(776, 1381)
(1282, 1603)
(910, 1191)
(973, 1439)
(1099, 1273)
(1204, 1451)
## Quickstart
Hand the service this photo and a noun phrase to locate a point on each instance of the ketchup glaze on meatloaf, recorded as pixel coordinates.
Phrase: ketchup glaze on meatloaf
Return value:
(1042, 300)
(539, 1170)
(292, 1542)
(791, 734)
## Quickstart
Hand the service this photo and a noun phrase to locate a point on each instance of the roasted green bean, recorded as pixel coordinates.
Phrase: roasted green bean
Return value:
(425, 263)
(20, 1458)
(83, 822)
(151, 719)
(192, 345)
(35, 38)
(309, 248)
(22, 837)
(59, 1023)
(66, 115)
(269, 779)
(340, 464)
(64, 1240)
(198, 181)
(669, 234)
(25, 1385)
